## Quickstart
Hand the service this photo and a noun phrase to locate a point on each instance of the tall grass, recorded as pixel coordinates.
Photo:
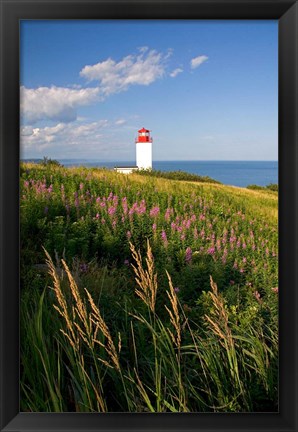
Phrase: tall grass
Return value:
(159, 360)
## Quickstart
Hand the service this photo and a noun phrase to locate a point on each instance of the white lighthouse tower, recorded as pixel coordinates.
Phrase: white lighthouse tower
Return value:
(144, 149)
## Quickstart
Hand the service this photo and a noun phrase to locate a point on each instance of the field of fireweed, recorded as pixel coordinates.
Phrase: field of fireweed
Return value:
(144, 294)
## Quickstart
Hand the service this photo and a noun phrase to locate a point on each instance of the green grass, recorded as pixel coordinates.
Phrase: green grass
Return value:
(225, 359)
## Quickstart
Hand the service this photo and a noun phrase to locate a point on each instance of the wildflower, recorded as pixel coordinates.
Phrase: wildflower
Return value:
(46, 209)
(232, 282)
(164, 236)
(176, 289)
(128, 234)
(81, 186)
(154, 227)
(111, 210)
(188, 255)
(154, 211)
(167, 214)
(103, 221)
(275, 289)
(211, 251)
(141, 209)
(124, 205)
(257, 295)
(83, 268)
(126, 262)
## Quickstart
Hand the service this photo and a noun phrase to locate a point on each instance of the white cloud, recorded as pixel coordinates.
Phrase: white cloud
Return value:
(54, 103)
(197, 61)
(60, 104)
(176, 72)
(120, 122)
(113, 77)
(61, 134)
(143, 49)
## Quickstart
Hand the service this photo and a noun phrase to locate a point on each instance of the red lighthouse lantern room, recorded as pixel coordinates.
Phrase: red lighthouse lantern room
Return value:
(144, 136)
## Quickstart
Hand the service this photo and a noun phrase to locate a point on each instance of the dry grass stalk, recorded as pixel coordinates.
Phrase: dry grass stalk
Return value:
(63, 307)
(220, 324)
(81, 324)
(174, 314)
(146, 279)
(101, 325)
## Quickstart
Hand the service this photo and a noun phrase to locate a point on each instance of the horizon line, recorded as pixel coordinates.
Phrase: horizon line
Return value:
(157, 160)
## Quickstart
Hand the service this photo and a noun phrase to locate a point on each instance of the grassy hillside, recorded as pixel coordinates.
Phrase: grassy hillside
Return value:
(165, 298)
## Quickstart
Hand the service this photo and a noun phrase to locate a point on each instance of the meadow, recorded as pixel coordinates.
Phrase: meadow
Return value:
(146, 294)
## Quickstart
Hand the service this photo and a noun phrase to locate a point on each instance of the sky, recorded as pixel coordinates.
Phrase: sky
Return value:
(207, 90)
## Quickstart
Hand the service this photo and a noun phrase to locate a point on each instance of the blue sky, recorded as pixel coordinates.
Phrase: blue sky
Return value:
(206, 89)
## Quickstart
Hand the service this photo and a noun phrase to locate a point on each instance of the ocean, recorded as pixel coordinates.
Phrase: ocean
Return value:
(236, 173)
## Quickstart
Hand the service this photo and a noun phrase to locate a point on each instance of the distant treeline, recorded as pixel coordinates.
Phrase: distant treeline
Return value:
(272, 186)
(178, 175)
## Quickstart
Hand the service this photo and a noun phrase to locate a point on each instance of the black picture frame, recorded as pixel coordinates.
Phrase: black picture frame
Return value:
(286, 12)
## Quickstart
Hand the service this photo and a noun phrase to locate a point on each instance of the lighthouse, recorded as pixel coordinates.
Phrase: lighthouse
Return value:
(143, 153)
(144, 149)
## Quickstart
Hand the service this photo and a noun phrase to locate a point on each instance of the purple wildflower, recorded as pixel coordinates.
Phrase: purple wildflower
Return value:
(111, 210)
(154, 211)
(188, 255)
